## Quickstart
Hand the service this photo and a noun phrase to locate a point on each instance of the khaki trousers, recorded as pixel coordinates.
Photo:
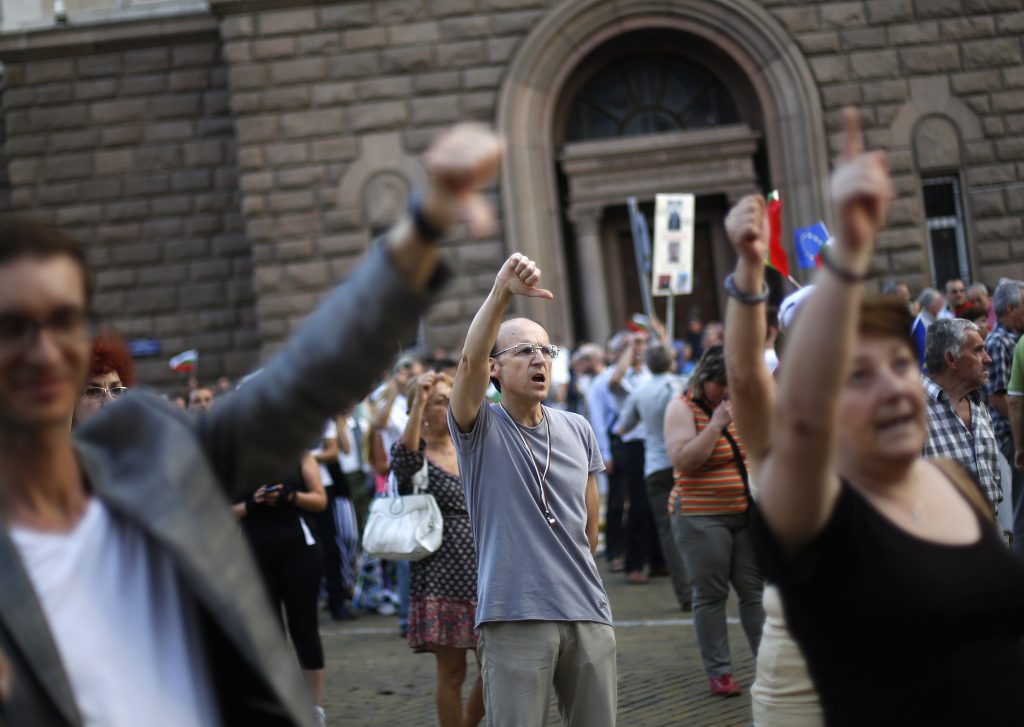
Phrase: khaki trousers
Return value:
(521, 661)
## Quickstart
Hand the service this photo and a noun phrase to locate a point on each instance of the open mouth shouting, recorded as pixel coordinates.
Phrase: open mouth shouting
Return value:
(896, 424)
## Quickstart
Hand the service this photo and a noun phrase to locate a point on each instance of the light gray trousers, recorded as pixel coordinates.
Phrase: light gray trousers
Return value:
(719, 550)
(521, 661)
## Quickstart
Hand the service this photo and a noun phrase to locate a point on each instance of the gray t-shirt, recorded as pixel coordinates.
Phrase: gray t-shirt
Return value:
(647, 406)
(526, 568)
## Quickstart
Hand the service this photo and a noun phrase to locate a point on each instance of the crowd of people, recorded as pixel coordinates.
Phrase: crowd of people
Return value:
(840, 463)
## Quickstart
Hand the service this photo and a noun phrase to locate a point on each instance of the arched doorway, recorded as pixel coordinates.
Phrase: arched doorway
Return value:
(549, 60)
(650, 111)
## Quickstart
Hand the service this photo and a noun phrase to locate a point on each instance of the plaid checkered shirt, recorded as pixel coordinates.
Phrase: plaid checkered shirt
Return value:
(975, 449)
(999, 346)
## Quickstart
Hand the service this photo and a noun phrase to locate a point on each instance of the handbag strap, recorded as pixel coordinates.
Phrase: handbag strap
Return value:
(421, 478)
(737, 455)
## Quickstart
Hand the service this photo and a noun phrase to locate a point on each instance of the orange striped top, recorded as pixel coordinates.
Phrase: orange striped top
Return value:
(717, 487)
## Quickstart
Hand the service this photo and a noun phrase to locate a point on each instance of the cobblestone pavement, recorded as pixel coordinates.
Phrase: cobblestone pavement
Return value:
(374, 679)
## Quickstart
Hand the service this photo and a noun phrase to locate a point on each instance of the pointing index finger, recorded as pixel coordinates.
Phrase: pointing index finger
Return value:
(854, 145)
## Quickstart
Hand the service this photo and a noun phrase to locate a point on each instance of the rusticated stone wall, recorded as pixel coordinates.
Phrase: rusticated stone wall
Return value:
(123, 136)
(226, 168)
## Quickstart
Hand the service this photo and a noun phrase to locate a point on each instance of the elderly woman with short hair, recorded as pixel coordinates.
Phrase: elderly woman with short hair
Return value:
(111, 372)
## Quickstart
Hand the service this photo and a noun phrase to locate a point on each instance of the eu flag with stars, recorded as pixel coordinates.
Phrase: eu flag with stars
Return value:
(807, 241)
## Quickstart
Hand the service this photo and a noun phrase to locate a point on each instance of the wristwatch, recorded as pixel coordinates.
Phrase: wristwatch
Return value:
(427, 230)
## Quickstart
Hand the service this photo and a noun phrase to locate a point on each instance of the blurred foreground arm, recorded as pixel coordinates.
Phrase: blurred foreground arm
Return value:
(335, 357)
(799, 485)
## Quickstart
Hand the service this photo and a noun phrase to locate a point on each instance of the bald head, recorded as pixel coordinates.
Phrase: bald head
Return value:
(519, 330)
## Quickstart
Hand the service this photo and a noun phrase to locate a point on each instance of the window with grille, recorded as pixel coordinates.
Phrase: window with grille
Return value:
(648, 94)
(944, 219)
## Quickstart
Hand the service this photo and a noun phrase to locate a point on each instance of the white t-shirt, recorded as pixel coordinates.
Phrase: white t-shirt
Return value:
(352, 462)
(330, 432)
(127, 637)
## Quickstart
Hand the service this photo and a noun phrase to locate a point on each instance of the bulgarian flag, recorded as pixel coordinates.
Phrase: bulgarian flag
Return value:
(185, 362)
(639, 322)
(776, 255)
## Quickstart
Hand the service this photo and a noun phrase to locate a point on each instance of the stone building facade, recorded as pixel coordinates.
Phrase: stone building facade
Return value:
(227, 161)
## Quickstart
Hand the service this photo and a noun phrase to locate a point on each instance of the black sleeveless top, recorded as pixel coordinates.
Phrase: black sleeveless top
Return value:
(898, 630)
(278, 527)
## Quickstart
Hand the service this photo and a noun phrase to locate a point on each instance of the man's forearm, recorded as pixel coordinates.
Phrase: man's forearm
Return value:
(474, 373)
(1015, 411)
(413, 257)
(593, 498)
(356, 330)
(621, 367)
(483, 331)
(998, 402)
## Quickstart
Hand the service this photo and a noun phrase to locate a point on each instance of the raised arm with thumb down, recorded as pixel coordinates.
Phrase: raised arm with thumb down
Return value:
(519, 275)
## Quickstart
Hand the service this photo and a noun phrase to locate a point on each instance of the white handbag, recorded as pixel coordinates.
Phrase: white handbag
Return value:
(407, 527)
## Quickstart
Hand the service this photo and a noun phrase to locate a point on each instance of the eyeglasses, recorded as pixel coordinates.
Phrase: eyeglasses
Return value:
(98, 392)
(529, 350)
(66, 325)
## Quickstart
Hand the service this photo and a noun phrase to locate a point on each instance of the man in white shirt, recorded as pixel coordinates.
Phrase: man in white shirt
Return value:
(623, 455)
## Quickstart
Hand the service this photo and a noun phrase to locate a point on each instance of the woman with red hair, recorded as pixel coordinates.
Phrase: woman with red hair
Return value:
(111, 372)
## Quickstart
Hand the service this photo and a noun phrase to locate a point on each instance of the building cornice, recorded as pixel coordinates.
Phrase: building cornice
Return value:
(69, 40)
(222, 8)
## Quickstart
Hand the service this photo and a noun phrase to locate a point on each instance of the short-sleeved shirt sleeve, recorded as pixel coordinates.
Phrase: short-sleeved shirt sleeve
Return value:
(594, 449)
(466, 442)
(1016, 385)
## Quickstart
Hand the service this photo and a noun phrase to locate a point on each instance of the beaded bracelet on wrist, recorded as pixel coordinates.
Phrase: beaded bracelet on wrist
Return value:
(745, 298)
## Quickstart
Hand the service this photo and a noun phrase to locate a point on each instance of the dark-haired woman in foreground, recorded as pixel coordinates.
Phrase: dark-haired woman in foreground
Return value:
(898, 589)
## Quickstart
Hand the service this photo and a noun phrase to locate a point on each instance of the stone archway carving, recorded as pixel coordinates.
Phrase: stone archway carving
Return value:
(383, 165)
(781, 76)
(385, 197)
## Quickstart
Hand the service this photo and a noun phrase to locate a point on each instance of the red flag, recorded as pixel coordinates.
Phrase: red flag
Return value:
(777, 257)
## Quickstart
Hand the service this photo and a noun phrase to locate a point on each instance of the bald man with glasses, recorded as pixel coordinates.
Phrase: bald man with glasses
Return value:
(529, 474)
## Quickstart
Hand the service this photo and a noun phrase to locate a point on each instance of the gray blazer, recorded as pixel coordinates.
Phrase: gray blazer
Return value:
(172, 476)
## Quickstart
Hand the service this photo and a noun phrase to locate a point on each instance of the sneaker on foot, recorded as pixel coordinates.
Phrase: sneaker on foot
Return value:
(319, 718)
(725, 686)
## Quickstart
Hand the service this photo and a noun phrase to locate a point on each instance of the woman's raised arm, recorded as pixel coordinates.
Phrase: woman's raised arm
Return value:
(799, 485)
(751, 387)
